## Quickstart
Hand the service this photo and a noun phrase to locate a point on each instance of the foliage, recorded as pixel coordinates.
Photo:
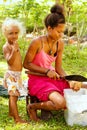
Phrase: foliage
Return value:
(31, 12)
(2, 41)
(34, 12)
(79, 13)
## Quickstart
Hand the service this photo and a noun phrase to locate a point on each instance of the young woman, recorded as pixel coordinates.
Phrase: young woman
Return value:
(41, 54)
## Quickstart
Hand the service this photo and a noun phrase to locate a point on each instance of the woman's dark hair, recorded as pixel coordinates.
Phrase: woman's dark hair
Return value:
(55, 17)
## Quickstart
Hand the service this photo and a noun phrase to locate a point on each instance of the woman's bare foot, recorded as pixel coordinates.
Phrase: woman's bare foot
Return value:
(32, 113)
(20, 121)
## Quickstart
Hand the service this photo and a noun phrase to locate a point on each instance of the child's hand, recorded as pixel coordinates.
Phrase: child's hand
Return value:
(75, 85)
(15, 46)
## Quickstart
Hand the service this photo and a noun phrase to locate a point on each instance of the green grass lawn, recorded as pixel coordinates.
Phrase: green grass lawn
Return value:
(56, 123)
(73, 63)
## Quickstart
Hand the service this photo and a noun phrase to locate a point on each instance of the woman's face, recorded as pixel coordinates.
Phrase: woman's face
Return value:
(56, 32)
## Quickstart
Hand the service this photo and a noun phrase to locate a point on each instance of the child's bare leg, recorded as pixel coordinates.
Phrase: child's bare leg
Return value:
(12, 94)
(13, 110)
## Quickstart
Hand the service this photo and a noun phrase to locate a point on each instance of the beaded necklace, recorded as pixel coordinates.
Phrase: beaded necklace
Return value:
(50, 49)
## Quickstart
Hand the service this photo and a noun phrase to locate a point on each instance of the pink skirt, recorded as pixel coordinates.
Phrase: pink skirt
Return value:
(41, 87)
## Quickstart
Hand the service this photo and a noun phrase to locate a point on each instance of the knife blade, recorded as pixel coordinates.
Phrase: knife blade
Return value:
(79, 78)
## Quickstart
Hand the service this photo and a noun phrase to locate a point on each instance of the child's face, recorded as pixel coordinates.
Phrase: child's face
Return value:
(12, 34)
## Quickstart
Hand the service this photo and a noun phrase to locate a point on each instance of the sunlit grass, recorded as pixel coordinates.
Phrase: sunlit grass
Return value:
(55, 123)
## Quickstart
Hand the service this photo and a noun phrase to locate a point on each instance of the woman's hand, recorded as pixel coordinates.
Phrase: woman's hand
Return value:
(52, 74)
(75, 85)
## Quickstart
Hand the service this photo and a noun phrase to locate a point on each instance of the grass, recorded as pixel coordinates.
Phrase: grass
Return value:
(73, 63)
(56, 123)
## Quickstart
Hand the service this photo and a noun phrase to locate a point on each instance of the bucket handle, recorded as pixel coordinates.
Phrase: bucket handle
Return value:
(84, 111)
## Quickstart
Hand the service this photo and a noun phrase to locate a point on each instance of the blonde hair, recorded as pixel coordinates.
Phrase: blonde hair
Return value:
(9, 22)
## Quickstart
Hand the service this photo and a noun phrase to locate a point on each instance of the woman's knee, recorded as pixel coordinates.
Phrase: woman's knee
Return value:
(58, 100)
(60, 104)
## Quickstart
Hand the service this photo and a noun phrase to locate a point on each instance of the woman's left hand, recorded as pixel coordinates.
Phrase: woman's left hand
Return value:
(75, 85)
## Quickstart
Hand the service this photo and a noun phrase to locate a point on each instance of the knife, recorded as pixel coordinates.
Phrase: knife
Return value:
(68, 77)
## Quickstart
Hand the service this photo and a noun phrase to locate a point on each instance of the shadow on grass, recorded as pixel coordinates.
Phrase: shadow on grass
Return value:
(3, 92)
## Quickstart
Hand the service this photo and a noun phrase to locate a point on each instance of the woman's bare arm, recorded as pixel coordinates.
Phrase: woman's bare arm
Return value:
(34, 47)
(58, 63)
